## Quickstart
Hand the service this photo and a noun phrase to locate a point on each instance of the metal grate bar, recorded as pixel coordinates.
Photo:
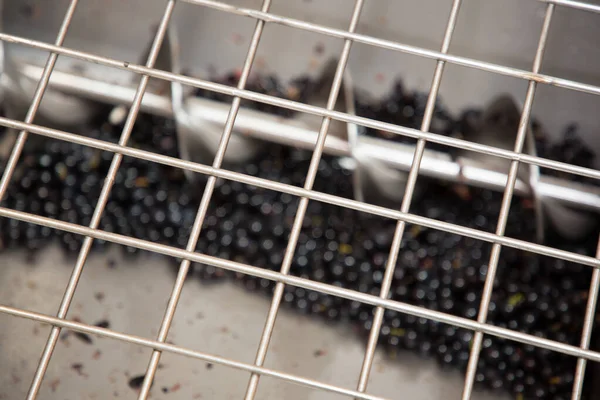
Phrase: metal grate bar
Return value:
(160, 346)
(575, 4)
(504, 210)
(406, 202)
(306, 284)
(102, 200)
(391, 45)
(301, 107)
(313, 195)
(22, 138)
(37, 100)
(588, 325)
(204, 203)
(302, 206)
(282, 278)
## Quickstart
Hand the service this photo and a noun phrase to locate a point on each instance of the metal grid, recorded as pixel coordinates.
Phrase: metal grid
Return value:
(159, 345)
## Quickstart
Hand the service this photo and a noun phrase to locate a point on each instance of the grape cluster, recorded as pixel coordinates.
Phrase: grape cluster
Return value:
(406, 108)
(299, 89)
(342, 247)
(572, 150)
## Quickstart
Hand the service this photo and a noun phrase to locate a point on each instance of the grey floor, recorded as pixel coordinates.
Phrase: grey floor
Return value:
(223, 320)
